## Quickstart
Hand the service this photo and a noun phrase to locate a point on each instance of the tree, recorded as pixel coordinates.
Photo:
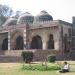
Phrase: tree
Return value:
(27, 56)
(16, 14)
(2, 19)
(5, 12)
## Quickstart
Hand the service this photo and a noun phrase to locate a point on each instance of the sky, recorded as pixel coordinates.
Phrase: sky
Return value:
(58, 9)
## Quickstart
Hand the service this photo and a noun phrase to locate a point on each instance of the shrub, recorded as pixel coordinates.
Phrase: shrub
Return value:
(51, 58)
(27, 56)
(39, 67)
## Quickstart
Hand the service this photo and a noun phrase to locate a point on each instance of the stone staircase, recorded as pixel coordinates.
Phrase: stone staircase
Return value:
(8, 59)
(15, 55)
(10, 56)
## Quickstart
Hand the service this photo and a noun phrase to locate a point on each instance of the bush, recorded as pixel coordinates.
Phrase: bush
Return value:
(51, 58)
(27, 56)
(39, 67)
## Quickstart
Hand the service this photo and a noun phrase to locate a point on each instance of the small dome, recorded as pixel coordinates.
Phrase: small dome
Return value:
(44, 16)
(10, 21)
(25, 18)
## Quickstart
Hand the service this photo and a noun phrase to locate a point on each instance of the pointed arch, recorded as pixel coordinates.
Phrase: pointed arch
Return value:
(19, 43)
(14, 35)
(51, 42)
(5, 44)
(36, 42)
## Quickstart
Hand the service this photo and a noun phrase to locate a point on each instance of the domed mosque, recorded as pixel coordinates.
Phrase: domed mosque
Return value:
(43, 16)
(38, 33)
(25, 18)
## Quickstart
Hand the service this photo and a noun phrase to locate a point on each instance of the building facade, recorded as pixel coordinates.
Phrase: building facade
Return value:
(39, 32)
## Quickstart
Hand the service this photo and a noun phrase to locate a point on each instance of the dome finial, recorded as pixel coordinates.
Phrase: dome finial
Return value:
(43, 11)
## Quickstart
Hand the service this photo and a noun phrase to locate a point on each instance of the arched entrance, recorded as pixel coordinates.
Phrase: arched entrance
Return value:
(5, 44)
(51, 42)
(36, 42)
(67, 44)
(19, 43)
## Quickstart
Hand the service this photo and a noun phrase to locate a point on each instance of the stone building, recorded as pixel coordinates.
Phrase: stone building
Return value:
(39, 32)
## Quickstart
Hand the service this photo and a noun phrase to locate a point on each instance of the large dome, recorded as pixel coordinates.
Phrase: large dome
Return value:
(44, 16)
(10, 21)
(25, 18)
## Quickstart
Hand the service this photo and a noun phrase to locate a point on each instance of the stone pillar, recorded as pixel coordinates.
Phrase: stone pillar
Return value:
(56, 41)
(56, 44)
(24, 39)
(9, 40)
(44, 42)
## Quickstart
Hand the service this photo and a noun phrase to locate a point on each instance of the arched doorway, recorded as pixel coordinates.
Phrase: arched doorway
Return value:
(67, 43)
(36, 42)
(19, 43)
(51, 42)
(5, 44)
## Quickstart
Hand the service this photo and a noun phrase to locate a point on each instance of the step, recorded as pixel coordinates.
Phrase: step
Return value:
(8, 59)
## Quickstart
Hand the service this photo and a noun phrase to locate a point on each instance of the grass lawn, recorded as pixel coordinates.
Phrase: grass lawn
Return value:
(15, 69)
